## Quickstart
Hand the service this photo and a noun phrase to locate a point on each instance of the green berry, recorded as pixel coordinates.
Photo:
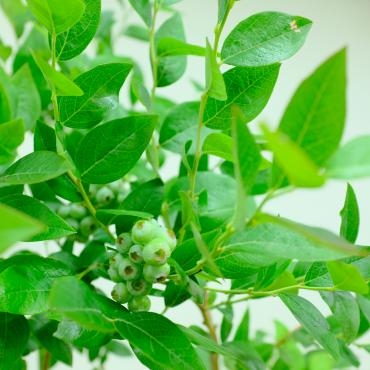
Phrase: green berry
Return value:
(104, 195)
(138, 287)
(63, 211)
(114, 275)
(72, 222)
(115, 259)
(128, 270)
(87, 225)
(120, 293)
(156, 252)
(139, 303)
(77, 211)
(124, 242)
(155, 274)
(136, 253)
(170, 236)
(144, 230)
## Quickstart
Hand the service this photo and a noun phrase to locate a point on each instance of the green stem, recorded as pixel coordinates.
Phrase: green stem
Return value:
(88, 203)
(251, 294)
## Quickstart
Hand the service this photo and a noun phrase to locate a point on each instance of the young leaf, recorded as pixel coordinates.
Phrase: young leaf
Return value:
(314, 118)
(352, 160)
(117, 145)
(265, 38)
(347, 277)
(249, 88)
(170, 69)
(160, 340)
(26, 99)
(169, 46)
(35, 167)
(101, 86)
(14, 334)
(345, 312)
(17, 13)
(350, 216)
(144, 9)
(313, 321)
(57, 16)
(294, 162)
(25, 282)
(219, 145)
(5, 107)
(16, 226)
(179, 126)
(215, 84)
(71, 43)
(56, 226)
(11, 136)
(62, 85)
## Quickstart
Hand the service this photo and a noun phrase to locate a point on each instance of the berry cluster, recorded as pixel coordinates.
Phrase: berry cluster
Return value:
(140, 261)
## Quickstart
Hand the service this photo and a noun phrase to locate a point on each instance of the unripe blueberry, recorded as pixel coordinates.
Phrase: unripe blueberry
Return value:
(144, 230)
(124, 242)
(120, 293)
(113, 275)
(139, 303)
(72, 222)
(170, 236)
(136, 253)
(138, 287)
(156, 252)
(128, 270)
(87, 225)
(104, 195)
(156, 273)
(77, 211)
(63, 211)
(115, 259)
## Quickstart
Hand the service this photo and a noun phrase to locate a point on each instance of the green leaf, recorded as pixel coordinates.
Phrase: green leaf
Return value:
(17, 13)
(55, 15)
(117, 145)
(170, 69)
(249, 88)
(101, 86)
(71, 43)
(5, 108)
(313, 321)
(62, 85)
(5, 51)
(219, 145)
(352, 160)
(160, 340)
(179, 126)
(346, 313)
(314, 118)
(14, 334)
(350, 216)
(295, 163)
(35, 167)
(275, 240)
(89, 309)
(11, 136)
(44, 137)
(169, 46)
(16, 226)
(222, 9)
(111, 216)
(265, 38)
(215, 84)
(26, 99)
(25, 282)
(144, 9)
(246, 154)
(320, 360)
(347, 277)
(137, 32)
(71, 332)
(56, 226)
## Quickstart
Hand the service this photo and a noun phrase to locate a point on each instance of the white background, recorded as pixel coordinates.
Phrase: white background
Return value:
(337, 24)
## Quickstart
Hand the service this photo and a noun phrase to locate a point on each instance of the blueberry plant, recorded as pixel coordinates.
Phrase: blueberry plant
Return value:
(126, 243)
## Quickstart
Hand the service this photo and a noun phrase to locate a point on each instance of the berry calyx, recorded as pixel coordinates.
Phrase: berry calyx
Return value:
(136, 254)
(128, 270)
